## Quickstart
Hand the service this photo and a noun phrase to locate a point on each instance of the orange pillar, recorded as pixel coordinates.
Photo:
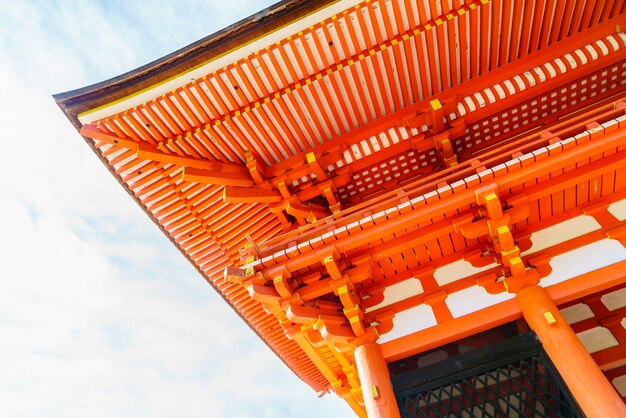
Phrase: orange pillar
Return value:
(595, 395)
(380, 402)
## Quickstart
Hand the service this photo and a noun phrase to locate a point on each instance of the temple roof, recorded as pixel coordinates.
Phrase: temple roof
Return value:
(361, 131)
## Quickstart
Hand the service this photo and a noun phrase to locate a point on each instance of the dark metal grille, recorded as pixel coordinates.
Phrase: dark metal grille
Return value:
(527, 388)
(512, 377)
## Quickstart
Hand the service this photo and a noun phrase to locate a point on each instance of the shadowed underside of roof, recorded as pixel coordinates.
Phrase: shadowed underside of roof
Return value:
(331, 127)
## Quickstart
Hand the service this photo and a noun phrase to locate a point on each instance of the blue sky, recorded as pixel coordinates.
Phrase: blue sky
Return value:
(99, 315)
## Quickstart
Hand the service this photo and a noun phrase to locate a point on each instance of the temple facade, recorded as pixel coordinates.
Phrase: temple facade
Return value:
(418, 206)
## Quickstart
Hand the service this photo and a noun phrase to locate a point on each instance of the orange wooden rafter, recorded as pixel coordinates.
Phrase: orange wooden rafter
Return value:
(296, 85)
(201, 171)
(297, 166)
(451, 176)
(508, 180)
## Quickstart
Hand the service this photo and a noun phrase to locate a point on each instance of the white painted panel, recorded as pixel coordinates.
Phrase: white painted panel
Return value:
(583, 260)
(597, 339)
(473, 299)
(563, 231)
(457, 270)
(618, 209)
(398, 292)
(560, 64)
(615, 300)
(577, 313)
(410, 321)
(620, 385)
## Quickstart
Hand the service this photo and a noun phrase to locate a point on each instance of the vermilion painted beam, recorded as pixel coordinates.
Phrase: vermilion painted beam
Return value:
(387, 249)
(611, 357)
(460, 199)
(381, 124)
(93, 132)
(226, 176)
(474, 279)
(575, 288)
(145, 151)
(295, 87)
(451, 175)
(250, 195)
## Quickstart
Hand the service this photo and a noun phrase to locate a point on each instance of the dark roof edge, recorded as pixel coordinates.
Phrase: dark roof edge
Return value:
(74, 102)
(246, 30)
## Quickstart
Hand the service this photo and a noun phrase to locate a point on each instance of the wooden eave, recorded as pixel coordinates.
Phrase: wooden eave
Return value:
(234, 159)
(206, 49)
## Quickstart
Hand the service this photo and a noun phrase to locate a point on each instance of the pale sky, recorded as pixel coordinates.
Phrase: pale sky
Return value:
(100, 316)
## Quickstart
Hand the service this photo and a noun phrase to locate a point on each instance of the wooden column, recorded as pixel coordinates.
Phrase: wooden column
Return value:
(594, 393)
(380, 401)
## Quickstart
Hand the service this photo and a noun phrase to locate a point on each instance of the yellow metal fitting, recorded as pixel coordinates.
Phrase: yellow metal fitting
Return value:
(549, 317)
(375, 394)
(435, 104)
(505, 253)
(503, 229)
(342, 290)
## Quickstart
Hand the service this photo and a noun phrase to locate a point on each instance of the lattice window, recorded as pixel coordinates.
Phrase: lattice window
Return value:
(526, 388)
(563, 99)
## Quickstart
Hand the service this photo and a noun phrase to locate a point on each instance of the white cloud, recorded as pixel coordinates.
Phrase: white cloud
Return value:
(99, 315)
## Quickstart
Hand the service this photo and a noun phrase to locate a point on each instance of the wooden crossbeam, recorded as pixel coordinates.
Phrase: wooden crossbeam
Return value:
(466, 197)
(602, 279)
(234, 194)
(290, 89)
(196, 170)
(240, 178)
